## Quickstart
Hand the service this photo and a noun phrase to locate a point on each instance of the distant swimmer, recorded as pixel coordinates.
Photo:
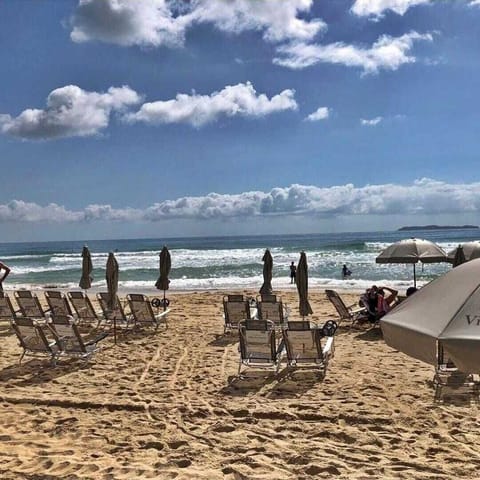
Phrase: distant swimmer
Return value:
(293, 273)
(345, 272)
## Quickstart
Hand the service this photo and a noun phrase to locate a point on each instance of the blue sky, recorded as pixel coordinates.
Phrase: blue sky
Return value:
(141, 118)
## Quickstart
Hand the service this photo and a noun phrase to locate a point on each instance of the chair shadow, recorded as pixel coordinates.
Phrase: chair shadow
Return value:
(248, 382)
(224, 340)
(296, 381)
(38, 371)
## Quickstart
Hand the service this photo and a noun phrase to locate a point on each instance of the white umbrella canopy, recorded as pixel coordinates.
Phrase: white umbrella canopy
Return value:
(471, 250)
(412, 250)
(445, 311)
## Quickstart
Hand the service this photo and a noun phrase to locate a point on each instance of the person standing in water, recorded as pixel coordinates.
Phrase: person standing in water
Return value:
(293, 273)
(345, 272)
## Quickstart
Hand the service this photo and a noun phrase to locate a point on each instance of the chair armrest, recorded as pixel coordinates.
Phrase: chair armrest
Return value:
(97, 339)
(357, 310)
(160, 315)
(327, 349)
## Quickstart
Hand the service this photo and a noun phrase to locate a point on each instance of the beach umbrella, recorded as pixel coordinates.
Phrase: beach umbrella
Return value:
(165, 265)
(111, 275)
(87, 268)
(471, 250)
(267, 272)
(412, 250)
(302, 286)
(442, 314)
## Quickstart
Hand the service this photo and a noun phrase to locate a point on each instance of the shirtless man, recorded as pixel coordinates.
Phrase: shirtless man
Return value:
(6, 270)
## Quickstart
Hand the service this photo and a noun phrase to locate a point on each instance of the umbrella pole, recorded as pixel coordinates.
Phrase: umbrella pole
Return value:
(414, 277)
(164, 305)
(115, 329)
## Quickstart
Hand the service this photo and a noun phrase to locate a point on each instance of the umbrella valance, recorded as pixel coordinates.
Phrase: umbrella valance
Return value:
(447, 311)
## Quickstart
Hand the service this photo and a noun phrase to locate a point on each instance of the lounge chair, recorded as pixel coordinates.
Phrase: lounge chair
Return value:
(353, 313)
(29, 304)
(448, 376)
(236, 308)
(58, 303)
(117, 315)
(83, 308)
(32, 335)
(258, 346)
(272, 308)
(142, 311)
(69, 340)
(304, 346)
(7, 312)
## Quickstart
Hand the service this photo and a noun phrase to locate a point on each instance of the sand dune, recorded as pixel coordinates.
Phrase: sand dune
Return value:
(168, 405)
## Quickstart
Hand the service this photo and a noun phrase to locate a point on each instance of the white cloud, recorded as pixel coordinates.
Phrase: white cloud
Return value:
(474, 3)
(376, 8)
(371, 122)
(165, 22)
(70, 112)
(387, 53)
(197, 110)
(422, 197)
(322, 113)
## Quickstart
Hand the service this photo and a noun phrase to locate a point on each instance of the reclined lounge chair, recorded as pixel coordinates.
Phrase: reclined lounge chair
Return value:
(258, 346)
(352, 313)
(29, 304)
(69, 340)
(32, 335)
(84, 309)
(117, 315)
(272, 308)
(303, 342)
(58, 303)
(7, 312)
(142, 311)
(235, 309)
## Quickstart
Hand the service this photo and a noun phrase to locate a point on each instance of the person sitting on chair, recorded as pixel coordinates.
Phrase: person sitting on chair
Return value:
(384, 302)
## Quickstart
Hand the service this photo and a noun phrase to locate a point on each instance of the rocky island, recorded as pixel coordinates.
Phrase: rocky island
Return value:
(437, 227)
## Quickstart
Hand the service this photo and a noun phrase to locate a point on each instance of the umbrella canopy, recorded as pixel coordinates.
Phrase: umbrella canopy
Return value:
(267, 272)
(445, 311)
(111, 276)
(165, 266)
(412, 250)
(302, 286)
(471, 250)
(87, 268)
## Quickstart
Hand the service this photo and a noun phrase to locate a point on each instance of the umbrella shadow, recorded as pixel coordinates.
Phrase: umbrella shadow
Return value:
(373, 334)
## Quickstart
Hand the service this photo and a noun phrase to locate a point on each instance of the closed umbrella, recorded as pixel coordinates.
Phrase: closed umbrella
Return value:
(165, 265)
(471, 250)
(87, 268)
(444, 313)
(459, 257)
(267, 272)
(412, 250)
(302, 286)
(111, 276)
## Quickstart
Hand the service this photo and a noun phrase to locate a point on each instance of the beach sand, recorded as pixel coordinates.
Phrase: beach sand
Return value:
(168, 405)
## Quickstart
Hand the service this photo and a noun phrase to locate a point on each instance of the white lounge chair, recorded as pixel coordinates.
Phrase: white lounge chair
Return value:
(303, 342)
(258, 345)
(58, 303)
(29, 304)
(235, 309)
(84, 309)
(142, 311)
(269, 307)
(32, 335)
(352, 313)
(117, 315)
(7, 312)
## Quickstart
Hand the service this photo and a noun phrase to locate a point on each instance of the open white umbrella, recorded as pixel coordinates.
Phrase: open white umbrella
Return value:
(267, 272)
(412, 250)
(445, 312)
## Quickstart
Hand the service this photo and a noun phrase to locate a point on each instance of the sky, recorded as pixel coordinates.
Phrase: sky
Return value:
(167, 118)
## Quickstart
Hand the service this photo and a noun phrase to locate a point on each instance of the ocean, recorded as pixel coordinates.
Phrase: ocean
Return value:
(226, 263)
